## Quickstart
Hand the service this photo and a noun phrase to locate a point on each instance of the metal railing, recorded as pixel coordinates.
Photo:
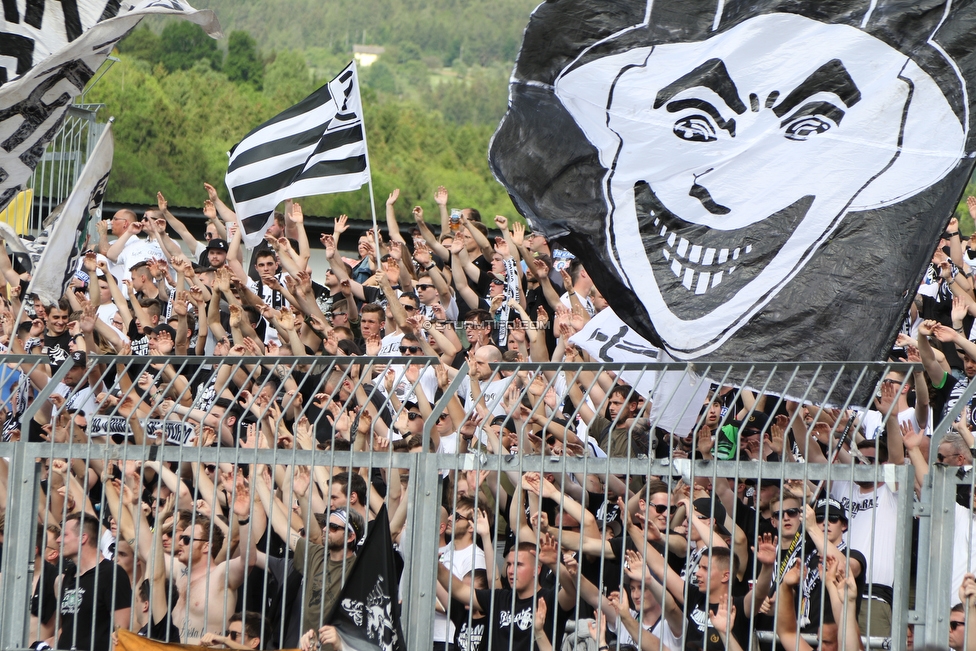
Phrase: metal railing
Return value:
(62, 161)
(526, 460)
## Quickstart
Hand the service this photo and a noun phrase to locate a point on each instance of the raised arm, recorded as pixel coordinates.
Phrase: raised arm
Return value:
(191, 242)
(929, 361)
(391, 222)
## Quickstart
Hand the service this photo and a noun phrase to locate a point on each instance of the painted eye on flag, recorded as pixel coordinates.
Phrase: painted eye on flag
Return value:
(814, 118)
(696, 128)
(804, 128)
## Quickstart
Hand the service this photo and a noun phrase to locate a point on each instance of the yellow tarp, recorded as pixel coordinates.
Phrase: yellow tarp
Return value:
(17, 211)
(129, 641)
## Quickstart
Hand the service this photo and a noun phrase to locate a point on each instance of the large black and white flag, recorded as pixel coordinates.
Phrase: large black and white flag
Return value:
(761, 180)
(367, 612)
(49, 51)
(317, 146)
(63, 251)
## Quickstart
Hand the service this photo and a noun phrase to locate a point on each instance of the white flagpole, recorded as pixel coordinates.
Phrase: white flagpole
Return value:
(372, 200)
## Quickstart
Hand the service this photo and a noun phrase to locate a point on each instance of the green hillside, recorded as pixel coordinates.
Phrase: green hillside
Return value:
(469, 31)
(432, 101)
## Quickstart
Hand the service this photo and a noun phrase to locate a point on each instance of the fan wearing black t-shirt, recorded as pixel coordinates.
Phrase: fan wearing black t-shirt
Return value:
(56, 335)
(715, 573)
(95, 593)
(511, 610)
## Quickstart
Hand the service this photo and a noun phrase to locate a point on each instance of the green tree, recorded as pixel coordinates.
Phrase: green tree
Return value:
(142, 43)
(183, 44)
(286, 78)
(244, 62)
(380, 78)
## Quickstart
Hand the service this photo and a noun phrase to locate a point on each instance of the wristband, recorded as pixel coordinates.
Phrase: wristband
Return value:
(430, 266)
(243, 522)
(953, 234)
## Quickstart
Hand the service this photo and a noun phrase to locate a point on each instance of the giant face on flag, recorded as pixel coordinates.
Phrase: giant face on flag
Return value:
(730, 168)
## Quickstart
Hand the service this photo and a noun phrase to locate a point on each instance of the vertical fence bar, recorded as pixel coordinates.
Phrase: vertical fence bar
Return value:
(18, 552)
(939, 559)
(903, 557)
(420, 576)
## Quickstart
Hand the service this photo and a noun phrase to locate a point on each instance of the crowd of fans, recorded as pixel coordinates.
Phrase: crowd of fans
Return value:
(254, 556)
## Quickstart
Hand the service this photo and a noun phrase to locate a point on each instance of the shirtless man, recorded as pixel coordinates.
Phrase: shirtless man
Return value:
(208, 590)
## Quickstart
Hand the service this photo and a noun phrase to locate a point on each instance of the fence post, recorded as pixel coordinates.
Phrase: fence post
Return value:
(939, 560)
(18, 549)
(424, 518)
(903, 557)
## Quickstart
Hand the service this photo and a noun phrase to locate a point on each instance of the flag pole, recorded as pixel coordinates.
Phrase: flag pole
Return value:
(372, 200)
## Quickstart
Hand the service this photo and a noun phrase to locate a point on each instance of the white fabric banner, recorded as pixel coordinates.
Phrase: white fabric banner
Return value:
(60, 257)
(56, 53)
(676, 396)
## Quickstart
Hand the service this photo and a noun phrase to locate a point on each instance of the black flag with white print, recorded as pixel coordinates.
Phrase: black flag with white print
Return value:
(367, 612)
(745, 180)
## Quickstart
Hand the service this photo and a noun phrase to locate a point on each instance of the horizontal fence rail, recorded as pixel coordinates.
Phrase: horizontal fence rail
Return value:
(217, 500)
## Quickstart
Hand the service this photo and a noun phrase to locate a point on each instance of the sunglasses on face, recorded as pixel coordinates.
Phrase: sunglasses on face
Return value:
(953, 625)
(412, 415)
(208, 236)
(793, 513)
(942, 457)
(186, 540)
(335, 527)
(210, 467)
(495, 281)
(413, 350)
(233, 635)
(408, 307)
(424, 286)
(833, 519)
(664, 508)
(441, 418)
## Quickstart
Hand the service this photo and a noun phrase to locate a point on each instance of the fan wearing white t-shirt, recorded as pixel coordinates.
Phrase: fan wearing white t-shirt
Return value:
(895, 388)
(872, 515)
(483, 383)
(460, 555)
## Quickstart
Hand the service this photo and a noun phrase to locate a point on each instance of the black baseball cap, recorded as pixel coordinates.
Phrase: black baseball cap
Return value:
(217, 245)
(714, 510)
(828, 507)
(755, 424)
(165, 327)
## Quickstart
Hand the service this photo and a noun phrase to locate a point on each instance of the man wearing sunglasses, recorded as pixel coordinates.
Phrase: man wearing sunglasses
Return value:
(823, 529)
(200, 580)
(326, 568)
(872, 509)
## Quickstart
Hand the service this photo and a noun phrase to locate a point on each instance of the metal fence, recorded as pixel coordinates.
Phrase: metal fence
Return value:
(62, 162)
(511, 465)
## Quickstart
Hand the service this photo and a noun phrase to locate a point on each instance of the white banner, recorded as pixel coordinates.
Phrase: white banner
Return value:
(64, 247)
(177, 432)
(53, 53)
(676, 397)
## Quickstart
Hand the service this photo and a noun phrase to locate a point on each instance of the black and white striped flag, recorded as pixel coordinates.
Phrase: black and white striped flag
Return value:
(317, 146)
